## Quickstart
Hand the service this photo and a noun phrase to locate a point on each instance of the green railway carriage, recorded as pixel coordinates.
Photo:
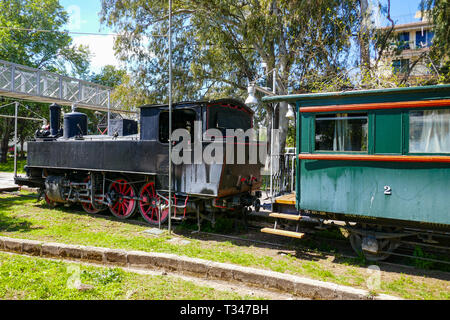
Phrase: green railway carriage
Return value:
(378, 160)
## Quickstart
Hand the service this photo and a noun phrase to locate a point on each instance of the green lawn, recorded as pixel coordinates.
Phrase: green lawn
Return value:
(22, 217)
(9, 165)
(27, 278)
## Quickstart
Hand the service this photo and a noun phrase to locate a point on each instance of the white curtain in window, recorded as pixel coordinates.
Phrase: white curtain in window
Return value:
(341, 139)
(435, 137)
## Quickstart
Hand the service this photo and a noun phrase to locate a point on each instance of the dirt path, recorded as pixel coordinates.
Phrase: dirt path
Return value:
(7, 182)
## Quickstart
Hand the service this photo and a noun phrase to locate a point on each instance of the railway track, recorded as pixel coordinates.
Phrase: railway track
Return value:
(341, 247)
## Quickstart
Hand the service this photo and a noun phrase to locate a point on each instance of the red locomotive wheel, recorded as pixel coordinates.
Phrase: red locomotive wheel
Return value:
(123, 207)
(88, 207)
(150, 205)
(49, 202)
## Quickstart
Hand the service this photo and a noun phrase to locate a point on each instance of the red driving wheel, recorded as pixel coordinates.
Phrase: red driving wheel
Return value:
(151, 206)
(49, 202)
(88, 207)
(122, 206)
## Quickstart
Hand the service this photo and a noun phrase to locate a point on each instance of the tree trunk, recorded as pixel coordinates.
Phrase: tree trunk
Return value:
(6, 134)
(364, 36)
(22, 152)
(283, 124)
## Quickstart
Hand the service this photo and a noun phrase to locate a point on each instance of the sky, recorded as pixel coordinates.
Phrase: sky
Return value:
(84, 17)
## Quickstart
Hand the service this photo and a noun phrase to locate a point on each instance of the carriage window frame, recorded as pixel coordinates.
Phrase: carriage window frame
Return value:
(406, 132)
(167, 110)
(369, 144)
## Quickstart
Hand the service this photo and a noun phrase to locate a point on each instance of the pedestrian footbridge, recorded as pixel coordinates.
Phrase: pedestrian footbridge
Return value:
(22, 82)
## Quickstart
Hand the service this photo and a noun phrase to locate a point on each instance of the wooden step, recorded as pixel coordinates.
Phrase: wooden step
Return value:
(286, 199)
(285, 216)
(285, 233)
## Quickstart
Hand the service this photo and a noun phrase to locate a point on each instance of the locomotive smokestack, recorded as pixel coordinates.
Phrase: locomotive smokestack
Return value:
(55, 115)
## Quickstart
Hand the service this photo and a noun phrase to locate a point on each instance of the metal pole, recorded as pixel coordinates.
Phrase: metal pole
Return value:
(15, 138)
(272, 136)
(292, 172)
(109, 111)
(170, 116)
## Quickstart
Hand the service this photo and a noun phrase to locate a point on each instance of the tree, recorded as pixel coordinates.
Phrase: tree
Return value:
(127, 93)
(439, 11)
(108, 76)
(51, 49)
(219, 45)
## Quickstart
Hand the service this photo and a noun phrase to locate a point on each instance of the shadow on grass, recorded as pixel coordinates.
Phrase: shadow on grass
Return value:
(9, 224)
(225, 231)
(308, 249)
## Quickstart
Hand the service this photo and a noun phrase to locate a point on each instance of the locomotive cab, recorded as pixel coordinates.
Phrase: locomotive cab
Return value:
(205, 126)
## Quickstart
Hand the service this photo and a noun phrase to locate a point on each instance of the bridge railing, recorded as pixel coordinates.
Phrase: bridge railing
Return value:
(23, 82)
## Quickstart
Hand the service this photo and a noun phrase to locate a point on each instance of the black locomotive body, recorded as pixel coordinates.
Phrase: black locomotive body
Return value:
(131, 173)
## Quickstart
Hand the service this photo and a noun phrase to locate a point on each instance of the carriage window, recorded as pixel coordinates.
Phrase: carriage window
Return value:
(181, 119)
(429, 131)
(341, 132)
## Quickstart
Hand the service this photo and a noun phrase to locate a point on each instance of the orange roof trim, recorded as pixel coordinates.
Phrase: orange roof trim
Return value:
(378, 106)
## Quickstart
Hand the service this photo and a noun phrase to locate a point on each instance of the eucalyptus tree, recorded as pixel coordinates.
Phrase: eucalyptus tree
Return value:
(439, 12)
(31, 34)
(220, 45)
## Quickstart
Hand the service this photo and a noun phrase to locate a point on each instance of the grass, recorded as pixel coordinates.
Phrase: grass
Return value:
(23, 217)
(28, 278)
(9, 165)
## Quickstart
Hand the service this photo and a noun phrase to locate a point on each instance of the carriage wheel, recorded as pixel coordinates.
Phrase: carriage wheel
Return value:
(88, 207)
(149, 206)
(122, 207)
(385, 246)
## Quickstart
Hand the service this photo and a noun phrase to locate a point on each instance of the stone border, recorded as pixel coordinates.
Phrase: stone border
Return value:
(295, 285)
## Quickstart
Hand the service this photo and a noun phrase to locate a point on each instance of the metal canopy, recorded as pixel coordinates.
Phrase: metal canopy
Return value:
(22, 82)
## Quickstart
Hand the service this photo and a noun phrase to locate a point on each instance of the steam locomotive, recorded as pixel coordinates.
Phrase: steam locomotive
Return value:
(126, 171)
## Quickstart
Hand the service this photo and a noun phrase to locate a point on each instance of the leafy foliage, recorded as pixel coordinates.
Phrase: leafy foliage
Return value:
(219, 46)
(50, 49)
(440, 15)
(30, 34)
(109, 76)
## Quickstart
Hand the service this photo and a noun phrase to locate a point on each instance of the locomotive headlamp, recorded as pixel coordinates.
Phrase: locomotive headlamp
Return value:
(290, 114)
(251, 100)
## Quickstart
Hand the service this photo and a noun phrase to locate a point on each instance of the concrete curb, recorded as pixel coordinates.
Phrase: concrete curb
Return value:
(198, 267)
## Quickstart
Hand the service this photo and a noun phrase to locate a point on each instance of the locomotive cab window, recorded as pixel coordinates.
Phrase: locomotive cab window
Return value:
(341, 132)
(228, 117)
(181, 119)
(429, 131)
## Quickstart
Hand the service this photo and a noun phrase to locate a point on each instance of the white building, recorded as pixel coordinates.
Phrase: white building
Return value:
(412, 43)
